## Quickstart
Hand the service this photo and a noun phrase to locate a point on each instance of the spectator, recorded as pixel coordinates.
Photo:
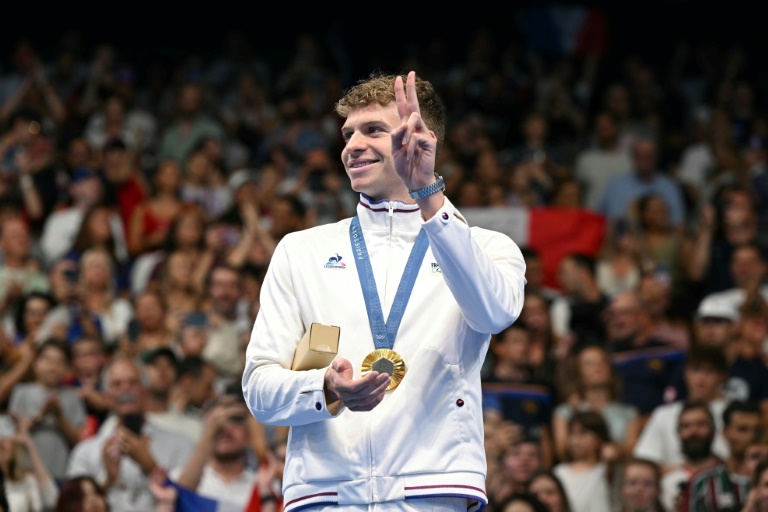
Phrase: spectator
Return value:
(223, 348)
(749, 269)
(148, 328)
(659, 441)
(62, 226)
(161, 366)
(717, 325)
(88, 361)
(81, 493)
(30, 315)
(100, 229)
(641, 178)
(605, 158)
(640, 486)
(519, 462)
(595, 386)
(513, 393)
(741, 428)
(191, 122)
(219, 468)
(522, 502)
(151, 219)
(708, 487)
(20, 272)
(26, 489)
(119, 458)
(188, 233)
(99, 297)
(546, 486)
(585, 474)
(545, 351)
(728, 222)
(647, 365)
(757, 499)
(124, 185)
(56, 412)
(205, 184)
(578, 314)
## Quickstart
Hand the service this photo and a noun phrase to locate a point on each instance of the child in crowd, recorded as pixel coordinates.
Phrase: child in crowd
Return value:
(585, 476)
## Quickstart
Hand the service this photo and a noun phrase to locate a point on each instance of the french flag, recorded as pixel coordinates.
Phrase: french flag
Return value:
(552, 232)
(190, 501)
(560, 30)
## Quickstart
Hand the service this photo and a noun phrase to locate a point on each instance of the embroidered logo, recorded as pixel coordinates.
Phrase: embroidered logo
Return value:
(335, 262)
(436, 269)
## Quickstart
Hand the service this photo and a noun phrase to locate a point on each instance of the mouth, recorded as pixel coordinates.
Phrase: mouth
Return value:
(360, 164)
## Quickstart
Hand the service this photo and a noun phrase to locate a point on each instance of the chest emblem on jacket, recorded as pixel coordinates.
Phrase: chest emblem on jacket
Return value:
(335, 262)
(436, 269)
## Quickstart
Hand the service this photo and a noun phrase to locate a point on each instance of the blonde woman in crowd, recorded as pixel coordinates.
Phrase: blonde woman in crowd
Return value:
(27, 490)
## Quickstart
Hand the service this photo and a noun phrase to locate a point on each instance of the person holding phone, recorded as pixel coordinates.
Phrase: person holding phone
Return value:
(127, 447)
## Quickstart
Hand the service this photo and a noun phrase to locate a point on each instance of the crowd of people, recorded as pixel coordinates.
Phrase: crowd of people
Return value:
(140, 206)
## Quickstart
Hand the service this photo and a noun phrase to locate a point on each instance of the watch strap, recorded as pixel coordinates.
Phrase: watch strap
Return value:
(434, 188)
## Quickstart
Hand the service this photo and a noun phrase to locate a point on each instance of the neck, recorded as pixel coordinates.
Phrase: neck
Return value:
(228, 468)
(698, 465)
(156, 401)
(597, 396)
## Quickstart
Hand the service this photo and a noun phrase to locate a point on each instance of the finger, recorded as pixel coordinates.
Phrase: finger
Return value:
(410, 89)
(362, 400)
(363, 386)
(400, 101)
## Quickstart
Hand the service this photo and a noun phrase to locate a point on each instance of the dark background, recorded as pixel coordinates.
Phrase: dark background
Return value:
(650, 29)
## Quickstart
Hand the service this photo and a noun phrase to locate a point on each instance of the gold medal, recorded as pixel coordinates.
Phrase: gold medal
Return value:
(385, 361)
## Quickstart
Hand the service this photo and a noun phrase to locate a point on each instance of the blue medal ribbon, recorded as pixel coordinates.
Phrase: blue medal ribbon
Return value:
(384, 332)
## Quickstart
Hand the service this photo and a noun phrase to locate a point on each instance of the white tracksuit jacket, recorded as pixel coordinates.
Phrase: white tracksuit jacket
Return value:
(426, 437)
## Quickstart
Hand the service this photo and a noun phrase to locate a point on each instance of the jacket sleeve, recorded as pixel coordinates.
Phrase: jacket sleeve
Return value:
(485, 270)
(275, 394)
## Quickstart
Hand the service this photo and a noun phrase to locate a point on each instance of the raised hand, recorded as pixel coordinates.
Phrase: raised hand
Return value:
(357, 395)
(414, 146)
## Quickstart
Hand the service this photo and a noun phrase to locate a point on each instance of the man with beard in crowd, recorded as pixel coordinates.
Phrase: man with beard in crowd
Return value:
(688, 487)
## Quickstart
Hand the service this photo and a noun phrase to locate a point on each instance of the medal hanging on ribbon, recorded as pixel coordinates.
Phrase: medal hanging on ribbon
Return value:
(384, 359)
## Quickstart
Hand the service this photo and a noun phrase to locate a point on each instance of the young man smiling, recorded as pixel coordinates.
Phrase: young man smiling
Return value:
(417, 294)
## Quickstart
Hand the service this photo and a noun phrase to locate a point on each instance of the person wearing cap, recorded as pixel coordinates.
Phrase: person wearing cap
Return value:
(718, 324)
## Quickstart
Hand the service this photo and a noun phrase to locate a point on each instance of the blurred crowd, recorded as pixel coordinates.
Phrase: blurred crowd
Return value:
(140, 203)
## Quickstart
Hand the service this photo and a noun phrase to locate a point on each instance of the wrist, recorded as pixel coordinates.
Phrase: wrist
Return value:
(438, 185)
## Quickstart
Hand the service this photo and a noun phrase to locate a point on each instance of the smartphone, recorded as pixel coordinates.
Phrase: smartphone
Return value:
(134, 422)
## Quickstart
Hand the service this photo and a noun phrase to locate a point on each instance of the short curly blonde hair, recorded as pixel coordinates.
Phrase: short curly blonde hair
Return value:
(379, 88)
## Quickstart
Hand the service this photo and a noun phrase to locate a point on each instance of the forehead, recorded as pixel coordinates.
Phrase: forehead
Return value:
(373, 113)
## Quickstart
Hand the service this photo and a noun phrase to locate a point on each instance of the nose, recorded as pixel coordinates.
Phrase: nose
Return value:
(355, 143)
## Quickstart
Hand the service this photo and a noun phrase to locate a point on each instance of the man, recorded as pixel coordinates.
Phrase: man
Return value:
(749, 270)
(126, 448)
(604, 159)
(360, 438)
(161, 370)
(717, 324)
(646, 365)
(659, 441)
(577, 315)
(219, 468)
(223, 347)
(702, 483)
(623, 190)
(741, 428)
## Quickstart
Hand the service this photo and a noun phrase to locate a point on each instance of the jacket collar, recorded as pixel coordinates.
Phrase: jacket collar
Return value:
(386, 214)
